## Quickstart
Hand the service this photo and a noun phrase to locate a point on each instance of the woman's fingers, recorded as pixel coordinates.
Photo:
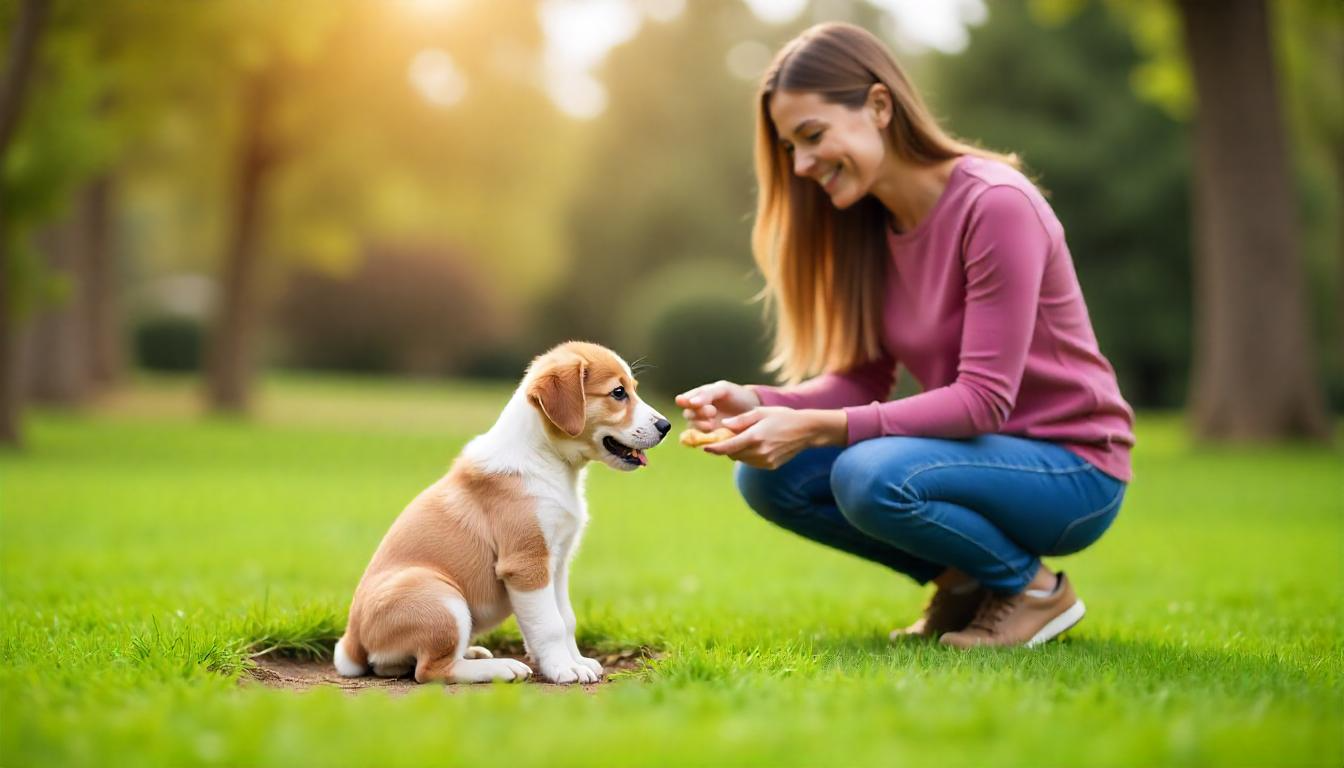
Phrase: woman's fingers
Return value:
(743, 420)
(730, 447)
(692, 397)
(703, 394)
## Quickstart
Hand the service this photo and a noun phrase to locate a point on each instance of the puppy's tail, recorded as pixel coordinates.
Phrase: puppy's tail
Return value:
(350, 658)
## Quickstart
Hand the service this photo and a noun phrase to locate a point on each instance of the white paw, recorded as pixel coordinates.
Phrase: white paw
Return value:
(485, 670)
(592, 664)
(520, 670)
(477, 652)
(568, 671)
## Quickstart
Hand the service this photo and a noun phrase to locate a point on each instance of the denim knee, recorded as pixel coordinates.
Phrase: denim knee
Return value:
(769, 493)
(864, 491)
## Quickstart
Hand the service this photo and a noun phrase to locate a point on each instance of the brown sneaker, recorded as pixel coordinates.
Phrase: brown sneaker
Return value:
(1021, 619)
(947, 611)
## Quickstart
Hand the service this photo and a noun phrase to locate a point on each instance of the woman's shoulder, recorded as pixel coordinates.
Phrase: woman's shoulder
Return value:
(986, 173)
(1001, 196)
(991, 183)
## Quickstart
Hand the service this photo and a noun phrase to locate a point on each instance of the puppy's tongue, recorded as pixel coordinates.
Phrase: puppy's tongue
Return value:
(643, 460)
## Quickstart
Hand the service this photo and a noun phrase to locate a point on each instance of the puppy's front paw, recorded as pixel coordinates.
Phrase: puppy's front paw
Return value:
(592, 664)
(568, 671)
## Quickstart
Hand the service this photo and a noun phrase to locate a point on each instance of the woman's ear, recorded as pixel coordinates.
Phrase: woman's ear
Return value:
(558, 392)
(879, 105)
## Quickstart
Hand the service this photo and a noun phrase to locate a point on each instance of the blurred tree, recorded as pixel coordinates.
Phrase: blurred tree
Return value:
(348, 122)
(1114, 167)
(47, 150)
(669, 175)
(1255, 371)
(1255, 377)
(14, 82)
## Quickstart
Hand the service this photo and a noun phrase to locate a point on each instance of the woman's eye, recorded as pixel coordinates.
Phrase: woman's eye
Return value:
(618, 393)
(814, 138)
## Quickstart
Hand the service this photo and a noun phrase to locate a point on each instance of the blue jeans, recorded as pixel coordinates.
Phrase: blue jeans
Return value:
(990, 506)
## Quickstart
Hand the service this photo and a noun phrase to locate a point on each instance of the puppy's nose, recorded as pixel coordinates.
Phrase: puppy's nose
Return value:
(663, 426)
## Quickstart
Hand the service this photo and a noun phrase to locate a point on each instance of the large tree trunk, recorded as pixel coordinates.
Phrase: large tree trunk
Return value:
(1254, 374)
(234, 330)
(13, 87)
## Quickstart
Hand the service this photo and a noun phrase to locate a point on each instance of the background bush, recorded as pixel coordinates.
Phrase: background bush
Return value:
(169, 343)
(404, 310)
(702, 340)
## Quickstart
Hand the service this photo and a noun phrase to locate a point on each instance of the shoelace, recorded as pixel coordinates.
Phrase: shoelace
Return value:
(993, 611)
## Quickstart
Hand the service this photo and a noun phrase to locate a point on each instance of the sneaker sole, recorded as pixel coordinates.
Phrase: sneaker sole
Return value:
(1059, 625)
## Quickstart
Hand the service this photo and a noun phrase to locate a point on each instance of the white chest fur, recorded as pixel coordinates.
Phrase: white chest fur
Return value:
(517, 444)
(562, 513)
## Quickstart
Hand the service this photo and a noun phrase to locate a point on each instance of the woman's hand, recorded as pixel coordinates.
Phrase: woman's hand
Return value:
(706, 406)
(768, 437)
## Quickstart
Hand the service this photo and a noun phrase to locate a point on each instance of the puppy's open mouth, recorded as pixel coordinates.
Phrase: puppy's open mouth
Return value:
(631, 456)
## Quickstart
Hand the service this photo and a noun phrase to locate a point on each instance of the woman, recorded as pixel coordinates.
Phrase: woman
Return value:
(883, 241)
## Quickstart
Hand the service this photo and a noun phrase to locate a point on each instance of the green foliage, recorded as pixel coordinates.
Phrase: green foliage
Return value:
(703, 340)
(669, 176)
(57, 144)
(1116, 170)
(1308, 41)
(144, 555)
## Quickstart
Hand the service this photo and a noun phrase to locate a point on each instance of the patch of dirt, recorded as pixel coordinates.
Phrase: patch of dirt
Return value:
(289, 673)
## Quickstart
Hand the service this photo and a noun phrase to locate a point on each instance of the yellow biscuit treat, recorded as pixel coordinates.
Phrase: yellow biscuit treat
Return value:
(694, 438)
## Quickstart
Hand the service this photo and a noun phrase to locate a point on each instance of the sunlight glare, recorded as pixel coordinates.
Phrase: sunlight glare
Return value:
(438, 80)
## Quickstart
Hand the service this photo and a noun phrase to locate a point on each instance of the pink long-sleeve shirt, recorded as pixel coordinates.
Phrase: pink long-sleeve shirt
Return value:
(983, 307)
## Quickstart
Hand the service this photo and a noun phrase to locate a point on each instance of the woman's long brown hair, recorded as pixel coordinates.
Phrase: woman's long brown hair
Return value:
(825, 268)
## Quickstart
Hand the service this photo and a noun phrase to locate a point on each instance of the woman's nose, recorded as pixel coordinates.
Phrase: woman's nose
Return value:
(802, 163)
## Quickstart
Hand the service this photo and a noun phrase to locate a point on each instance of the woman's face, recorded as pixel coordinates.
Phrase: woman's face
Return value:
(841, 149)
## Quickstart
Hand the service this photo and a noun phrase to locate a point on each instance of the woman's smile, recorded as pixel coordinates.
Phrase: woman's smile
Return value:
(828, 179)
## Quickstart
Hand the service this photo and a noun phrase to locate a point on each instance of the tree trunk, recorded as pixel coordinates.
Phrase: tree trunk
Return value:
(55, 350)
(13, 86)
(233, 334)
(72, 349)
(1254, 373)
(105, 332)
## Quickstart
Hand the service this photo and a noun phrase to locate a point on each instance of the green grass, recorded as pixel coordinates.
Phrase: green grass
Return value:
(145, 551)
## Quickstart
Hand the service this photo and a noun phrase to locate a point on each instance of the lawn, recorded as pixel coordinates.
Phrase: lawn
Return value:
(145, 549)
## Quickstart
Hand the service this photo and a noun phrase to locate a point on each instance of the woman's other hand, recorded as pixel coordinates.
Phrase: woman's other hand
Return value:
(706, 406)
(768, 437)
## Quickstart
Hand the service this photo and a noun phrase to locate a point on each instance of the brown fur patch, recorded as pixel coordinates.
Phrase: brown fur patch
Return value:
(453, 540)
(557, 390)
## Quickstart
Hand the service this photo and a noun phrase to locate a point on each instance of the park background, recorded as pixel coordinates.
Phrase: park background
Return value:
(265, 266)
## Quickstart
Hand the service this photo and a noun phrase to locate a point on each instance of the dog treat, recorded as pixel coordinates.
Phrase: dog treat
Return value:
(694, 438)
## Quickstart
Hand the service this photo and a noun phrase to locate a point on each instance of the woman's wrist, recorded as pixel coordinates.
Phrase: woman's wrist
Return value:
(829, 427)
(753, 392)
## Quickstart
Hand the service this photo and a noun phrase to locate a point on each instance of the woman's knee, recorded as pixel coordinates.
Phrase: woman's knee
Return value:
(868, 482)
(762, 489)
(771, 493)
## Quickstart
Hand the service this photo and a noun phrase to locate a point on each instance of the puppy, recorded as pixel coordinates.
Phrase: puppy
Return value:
(495, 536)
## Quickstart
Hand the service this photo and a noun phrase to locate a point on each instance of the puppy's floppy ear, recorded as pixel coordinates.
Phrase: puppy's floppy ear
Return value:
(558, 391)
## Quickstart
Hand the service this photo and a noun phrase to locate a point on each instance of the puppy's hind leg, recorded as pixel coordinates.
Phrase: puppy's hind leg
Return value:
(473, 664)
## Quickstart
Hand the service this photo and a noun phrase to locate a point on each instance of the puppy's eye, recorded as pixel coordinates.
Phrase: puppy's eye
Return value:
(618, 393)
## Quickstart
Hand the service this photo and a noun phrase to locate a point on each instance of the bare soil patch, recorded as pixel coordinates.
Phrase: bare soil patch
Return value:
(296, 674)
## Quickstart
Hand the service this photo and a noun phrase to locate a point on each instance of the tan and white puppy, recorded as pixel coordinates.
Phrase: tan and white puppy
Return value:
(495, 535)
